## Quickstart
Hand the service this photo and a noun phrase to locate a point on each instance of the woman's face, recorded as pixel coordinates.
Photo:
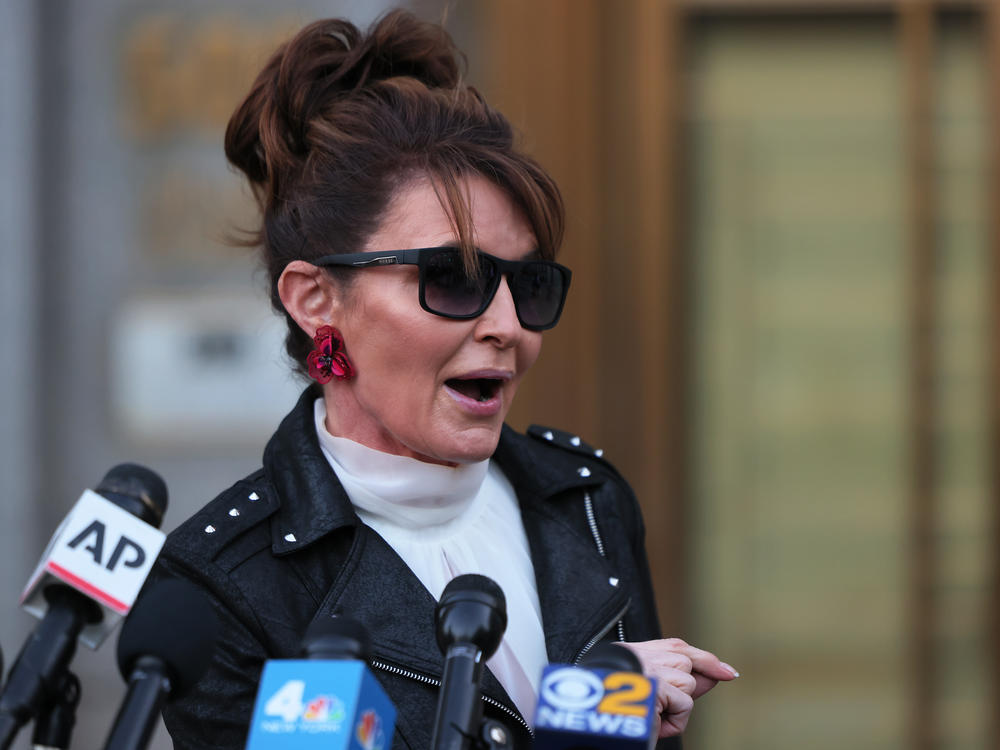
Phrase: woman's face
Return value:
(429, 387)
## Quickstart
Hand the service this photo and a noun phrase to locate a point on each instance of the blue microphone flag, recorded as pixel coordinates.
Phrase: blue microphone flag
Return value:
(330, 704)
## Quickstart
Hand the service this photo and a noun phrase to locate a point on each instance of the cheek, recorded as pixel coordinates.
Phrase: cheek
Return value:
(529, 350)
(397, 350)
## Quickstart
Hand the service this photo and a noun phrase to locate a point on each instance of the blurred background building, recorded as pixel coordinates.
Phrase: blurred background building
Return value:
(783, 328)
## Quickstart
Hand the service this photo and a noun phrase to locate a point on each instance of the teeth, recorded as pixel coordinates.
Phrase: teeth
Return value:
(480, 389)
(487, 389)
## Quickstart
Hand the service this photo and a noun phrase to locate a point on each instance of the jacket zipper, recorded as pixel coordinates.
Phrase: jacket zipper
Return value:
(603, 632)
(409, 674)
(588, 508)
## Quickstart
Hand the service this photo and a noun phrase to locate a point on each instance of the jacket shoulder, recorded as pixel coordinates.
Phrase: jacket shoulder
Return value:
(611, 493)
(229, 528)
(573, 444)
(565, 440)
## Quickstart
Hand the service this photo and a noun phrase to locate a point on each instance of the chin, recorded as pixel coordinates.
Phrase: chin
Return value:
(471, 449)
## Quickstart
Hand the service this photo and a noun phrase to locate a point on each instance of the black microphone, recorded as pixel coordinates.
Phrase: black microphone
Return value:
(335, 638)
(163, 650)
(612, 657)
(87, 579)
(470, 619)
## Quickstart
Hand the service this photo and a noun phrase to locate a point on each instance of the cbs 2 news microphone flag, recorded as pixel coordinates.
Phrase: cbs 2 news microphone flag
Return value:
(606, 703)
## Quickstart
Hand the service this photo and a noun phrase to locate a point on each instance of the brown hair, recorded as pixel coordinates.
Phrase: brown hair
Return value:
(338, 121)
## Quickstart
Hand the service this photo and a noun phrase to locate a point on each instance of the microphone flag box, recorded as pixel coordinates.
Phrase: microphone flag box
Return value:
(102, 551)
(594, 708)
(312, 703)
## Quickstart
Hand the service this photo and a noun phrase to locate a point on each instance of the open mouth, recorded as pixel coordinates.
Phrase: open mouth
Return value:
(478, 389)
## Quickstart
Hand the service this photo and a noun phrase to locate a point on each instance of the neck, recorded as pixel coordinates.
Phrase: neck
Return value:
(346, 418)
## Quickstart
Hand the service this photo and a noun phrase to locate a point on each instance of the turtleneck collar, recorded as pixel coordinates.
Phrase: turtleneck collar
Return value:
(404, 491)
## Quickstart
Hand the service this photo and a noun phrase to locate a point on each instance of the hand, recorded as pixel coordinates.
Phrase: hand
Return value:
(682, 673)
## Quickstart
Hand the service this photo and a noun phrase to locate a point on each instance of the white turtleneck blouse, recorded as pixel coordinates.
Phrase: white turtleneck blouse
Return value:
(445, 521)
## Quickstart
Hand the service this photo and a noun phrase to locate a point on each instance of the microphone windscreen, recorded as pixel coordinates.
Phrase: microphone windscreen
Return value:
(172, 621)
(469, 584)
(611, 656)
(137, 489)
(472, 609)
(336, 637)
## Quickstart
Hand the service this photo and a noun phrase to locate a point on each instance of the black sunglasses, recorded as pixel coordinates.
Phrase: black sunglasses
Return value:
(538, 287)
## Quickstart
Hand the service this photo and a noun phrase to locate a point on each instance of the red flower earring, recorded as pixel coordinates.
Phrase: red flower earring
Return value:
(328, 361)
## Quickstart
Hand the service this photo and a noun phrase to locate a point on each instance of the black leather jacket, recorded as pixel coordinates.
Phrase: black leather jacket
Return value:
(284, 546)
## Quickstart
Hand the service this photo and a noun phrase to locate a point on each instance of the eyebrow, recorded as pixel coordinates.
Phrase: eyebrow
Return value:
(535, 254)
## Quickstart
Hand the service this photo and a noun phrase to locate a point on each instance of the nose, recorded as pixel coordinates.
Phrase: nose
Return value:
(499, 322)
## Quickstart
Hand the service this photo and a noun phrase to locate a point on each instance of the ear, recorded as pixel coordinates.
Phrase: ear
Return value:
(308, 294)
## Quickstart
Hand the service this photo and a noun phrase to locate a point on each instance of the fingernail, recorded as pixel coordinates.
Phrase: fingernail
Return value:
(733, 671)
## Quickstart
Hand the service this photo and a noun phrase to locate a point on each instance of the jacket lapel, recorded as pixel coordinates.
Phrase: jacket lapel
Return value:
(380, 591)
(576, 587)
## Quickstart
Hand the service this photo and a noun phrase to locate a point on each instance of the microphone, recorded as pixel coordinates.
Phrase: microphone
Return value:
(329, 699)
(104, 549)
(87, 580)
(605, 703)
(470, 619)
(163, 650)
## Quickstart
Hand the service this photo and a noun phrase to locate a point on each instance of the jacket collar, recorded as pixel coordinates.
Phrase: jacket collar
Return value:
(295, 464)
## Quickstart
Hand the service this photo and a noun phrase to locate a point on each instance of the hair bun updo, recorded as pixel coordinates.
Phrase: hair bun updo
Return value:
(339, 119)
(329, 60)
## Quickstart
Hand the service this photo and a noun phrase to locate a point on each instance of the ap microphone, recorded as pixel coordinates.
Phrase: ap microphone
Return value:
(163, 650)
(470, 619)
(605, 703)
(328, 700)
(103, 549)
(87, 580)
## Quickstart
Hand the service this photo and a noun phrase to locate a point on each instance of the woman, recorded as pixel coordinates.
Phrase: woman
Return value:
(410, 247)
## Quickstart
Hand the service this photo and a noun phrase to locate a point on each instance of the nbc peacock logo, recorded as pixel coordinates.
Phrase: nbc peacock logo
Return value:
(323, 708)
(369, 731)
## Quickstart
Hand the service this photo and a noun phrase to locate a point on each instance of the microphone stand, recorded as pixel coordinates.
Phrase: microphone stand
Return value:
(55, 721)
(45, 655)
(148, 689)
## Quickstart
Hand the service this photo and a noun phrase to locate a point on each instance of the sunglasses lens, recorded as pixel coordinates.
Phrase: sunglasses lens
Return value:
(539, 290)
(449, 290)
